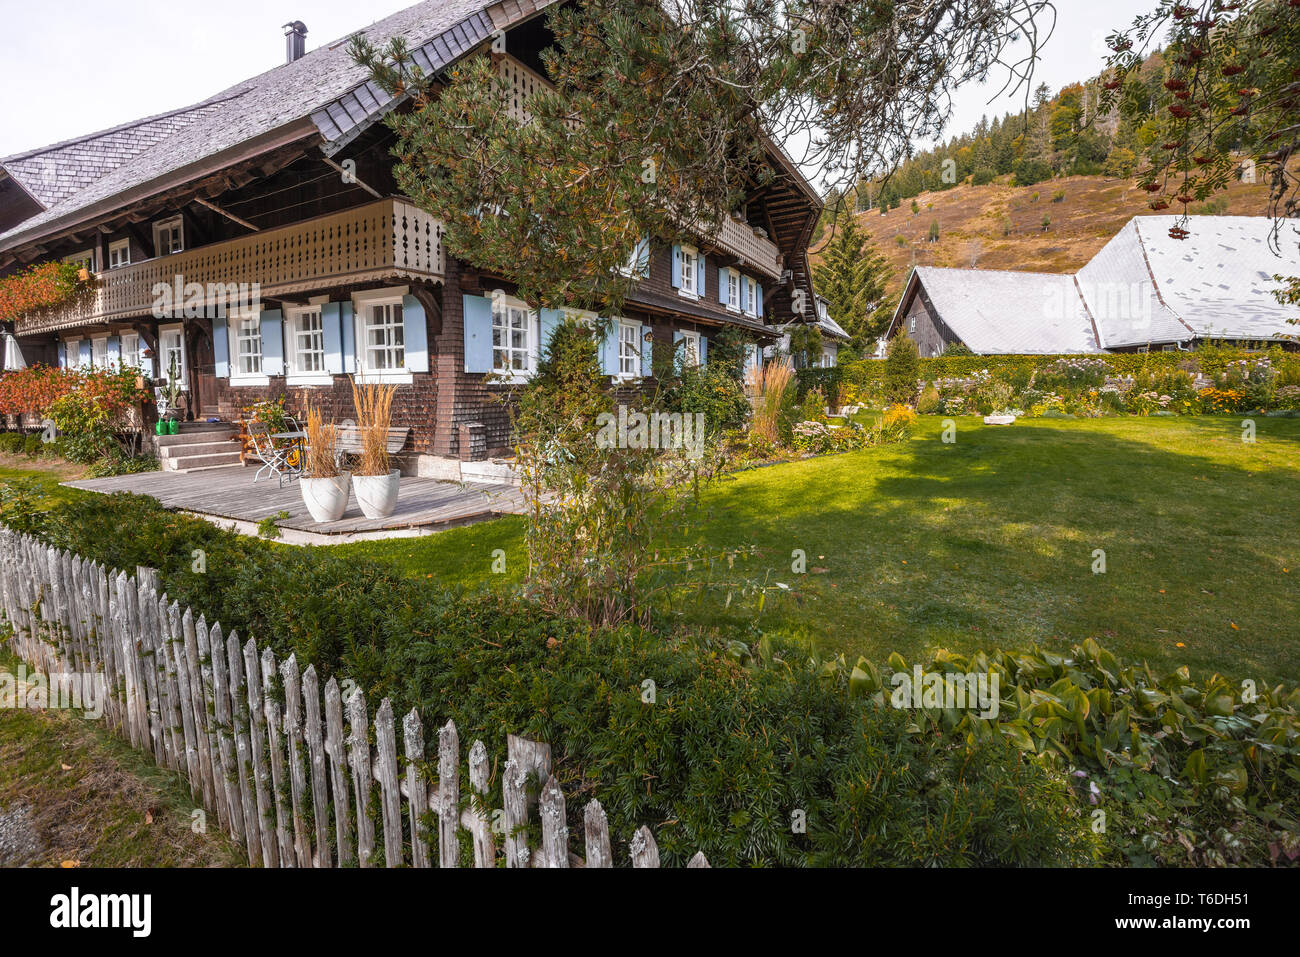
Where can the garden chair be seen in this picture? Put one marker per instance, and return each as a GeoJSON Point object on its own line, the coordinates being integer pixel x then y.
{"type": "Point", "coordinates": [275, 460]}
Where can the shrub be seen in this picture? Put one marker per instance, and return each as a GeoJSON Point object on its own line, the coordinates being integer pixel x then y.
{"type": "Point", "coordinates": [928, 403]}
{"type": "Point", "coordinates": [736, 740]}
{"type": "Point", "coordinates": [710, 389]}
{"type": "Point", "coordinates": [902, 369]}
{"type": "Point", "coordinates": [12, 442]}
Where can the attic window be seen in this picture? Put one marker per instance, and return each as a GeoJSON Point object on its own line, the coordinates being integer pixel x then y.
{"type": "Point", "coordinates": [168, 236]}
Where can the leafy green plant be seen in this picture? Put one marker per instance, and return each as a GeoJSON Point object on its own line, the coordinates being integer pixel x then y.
{"type": "Point", "coordinates": [902, 369]}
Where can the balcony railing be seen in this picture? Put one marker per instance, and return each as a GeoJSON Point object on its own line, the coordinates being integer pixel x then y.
{"type": "Point", "coordinates": [751, 249]}
{"type": "Point", "coordinates": [386, 239]}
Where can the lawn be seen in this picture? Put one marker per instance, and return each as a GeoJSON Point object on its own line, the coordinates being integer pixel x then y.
{"type": "Point", "coordinates": [989, 542]}
{"type": "Point", "coordinates": [73, 794]}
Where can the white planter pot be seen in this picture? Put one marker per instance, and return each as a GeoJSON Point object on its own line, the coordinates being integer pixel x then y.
{"type": "Point", "coordinates": [377, 494]}
{"type": "Point", "coordinates": [326, 498]}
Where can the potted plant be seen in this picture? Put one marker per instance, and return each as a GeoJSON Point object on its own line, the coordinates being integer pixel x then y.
{"type": "Point", "coordinates": [373, 479]}
{"type": "Point", "coordinates": [324, 484]}
{"type": "Point", "coordinates": [172, 395]}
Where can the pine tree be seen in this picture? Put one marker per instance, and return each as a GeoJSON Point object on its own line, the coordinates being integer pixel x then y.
{"type": "Point", "coordinates": [854, 278]}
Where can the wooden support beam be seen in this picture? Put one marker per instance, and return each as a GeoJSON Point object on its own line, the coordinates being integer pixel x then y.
{"type": "Point", "coordinates": [229, 215]}
{"type": "Point", "coordinates": [353, 177]}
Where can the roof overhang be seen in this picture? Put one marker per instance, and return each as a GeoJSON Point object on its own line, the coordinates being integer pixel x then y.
{"type": "Point", "coordinates": [250, 149]}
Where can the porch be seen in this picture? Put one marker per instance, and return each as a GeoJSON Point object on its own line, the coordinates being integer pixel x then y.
{"type": "Point", "coordinates": [228, 497]}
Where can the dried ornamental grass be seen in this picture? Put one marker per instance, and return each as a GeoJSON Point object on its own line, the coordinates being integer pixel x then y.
{"type": "Point", "coordinates": [322, 446]}
{"type": "Point", "coordinates": [770, 384]}
{"type": "Point", "coordinates": [374, 405]}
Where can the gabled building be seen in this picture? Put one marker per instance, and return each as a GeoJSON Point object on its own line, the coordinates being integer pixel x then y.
{"type": "Point", "coordinates": [1144, 291]}
{"type": "Point", "coordinates": [282, 186]}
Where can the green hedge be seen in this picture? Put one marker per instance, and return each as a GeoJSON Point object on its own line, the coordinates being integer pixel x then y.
{"type": "Point", "coordinates": [734, 745]}
{"type": "Point", "coordinates": [869, 374]}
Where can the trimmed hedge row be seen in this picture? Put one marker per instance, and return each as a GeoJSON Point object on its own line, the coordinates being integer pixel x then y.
{"type": "Point", "coordinates": [869, 374]}
{"type": "Point", "coordinates": [730, 756]}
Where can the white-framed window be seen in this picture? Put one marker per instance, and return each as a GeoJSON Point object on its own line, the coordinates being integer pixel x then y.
{"type": "Point", "coordinates": [381, 335]}
{"type": "Point", "coordinates": [85, 259]}
{"type": "Point", "coordinates": [513, 345]}
{"type": "Point", "coordinates": [130, 350]}
{"type": "Point", "coordinates": [72, 352]}
{"type": "Point", "coordinates": [629, 349]}
{"type": "Point", "coordinates": [169, 236]}
{"type": "Point", "coordinates": [306, 341]}
{"type": "Point", "coordinates": [246, 341]}
{"type": "Point", "coordinates": [911, 326]}
{"type": "Point", "coordinates": [171, 348]}
{"type": "Point", "coordinates": [828, 357]}
{"type": "Point", "coordinates": [99, 353]}
{"type": "Point", "coordinates": [384, 348]}
{"type": "Point", "coordinates": [119, 253]}
{"type": "Point", "coordinates": [690, 348]}
{"type": "Point", "coordinates": [690, 266]}
{"type": "Point", "coordinates": [751, 296]}
{"type": "Point", "coordinates": [733, 290]}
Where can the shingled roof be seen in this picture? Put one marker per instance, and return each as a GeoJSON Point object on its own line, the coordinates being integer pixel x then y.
{"type": "Point", "coordinates": [55, 173]}
{"type": "Point", "coordinates": [324, 92]}
{"type": "Point", "coordinates": [1144, 288]}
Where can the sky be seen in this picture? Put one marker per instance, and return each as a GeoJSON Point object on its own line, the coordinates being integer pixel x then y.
{"type": "Point", "coordinates": [120, 61]}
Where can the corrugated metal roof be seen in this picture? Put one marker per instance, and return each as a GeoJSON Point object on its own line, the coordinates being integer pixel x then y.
{"type": "Point", "coordinates": [995, 311]}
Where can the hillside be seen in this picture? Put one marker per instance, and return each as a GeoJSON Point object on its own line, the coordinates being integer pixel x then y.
{"type": "Point", "coordinates": [1001, 227]}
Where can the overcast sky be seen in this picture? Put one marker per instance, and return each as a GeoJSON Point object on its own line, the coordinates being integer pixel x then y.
{"type": "Point", "coordinates": [83, 65]}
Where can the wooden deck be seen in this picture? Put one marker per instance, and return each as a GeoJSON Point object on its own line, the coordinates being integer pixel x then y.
{"type": "Point", "coordinates": [230, 497]}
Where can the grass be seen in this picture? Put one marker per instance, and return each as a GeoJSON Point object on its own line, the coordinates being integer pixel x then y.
{"type": "Point", "coordinates": [989, 542]}
{"type": "Point", "coordinates": [1092, 211]}
{"type": "Point", "coordinates": [84, 798]}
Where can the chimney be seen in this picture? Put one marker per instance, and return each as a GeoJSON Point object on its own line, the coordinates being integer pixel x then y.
{"type": "Point", "coordinates": [295, 41]}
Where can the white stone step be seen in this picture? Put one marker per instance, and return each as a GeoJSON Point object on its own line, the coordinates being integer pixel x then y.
{"type": "Point", "coordinates": [198, 448]}
{"type": "Point", "coordinates": [188, 463]}
{"type": "Point", "coordinates": [196, 438]}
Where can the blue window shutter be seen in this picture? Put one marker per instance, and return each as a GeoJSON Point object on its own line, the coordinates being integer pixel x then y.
{"type": "Point", "coordinates": [647, 351]}
{"type": "Point", "coordinates": [221, 348]}
{"type": "Point", "coordinates": [113, 351]}
{"type": "Point", "coordinates": [63, 355]}
{"type": "Point", "coordinates": [347, 325]}
{"type": "Point", "coordinates": [331, 318]}
{"type": "Point", "coordinates": [609, 348]}
{"type": "Point", "coordinates": [84, 358]}
{"type": "Point", "coordinates": [272, 342]}
{"type": "Point", "coordinates": [722, 285]}
{"type": "Point", "coordinates": [549, 319]}
{"type": "Point", "coordinates": [415, 335]}
{"type": "Point", "coordinates": [704, 348]}
{"type": "Point", "coordinates": [701, 276]}
{"type": "Point", "coordinates": [677, 266]}
{"type": "Point", "coordinates": [478, 333]}
{"type": "Point", "coordinates": [643, 257]}
{"type": "Point", "coordinates": [758, 291]}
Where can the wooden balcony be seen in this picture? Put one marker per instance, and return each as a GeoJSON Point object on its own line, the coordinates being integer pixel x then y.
{"type": "Point", "coordinates": [386, 239]}
{"type": "Point", "coordinates": [752, 250]}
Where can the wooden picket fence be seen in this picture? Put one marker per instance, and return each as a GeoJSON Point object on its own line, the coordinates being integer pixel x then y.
{"type": "Point", "coordinates": [295, 783]}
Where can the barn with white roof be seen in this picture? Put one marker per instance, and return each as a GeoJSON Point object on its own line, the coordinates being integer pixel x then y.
{"type": "Point", "coordinates": [1146, 290]}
